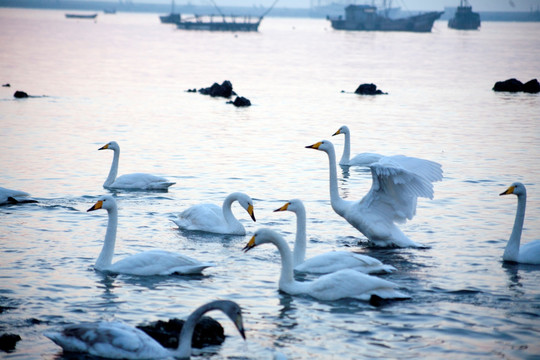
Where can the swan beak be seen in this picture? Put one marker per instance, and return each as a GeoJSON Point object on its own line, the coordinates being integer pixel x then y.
{"type": "Point", "coordinates": [251, 213]}
{"type": "Point", "coordinates": [240, 325]}
{"type": "Point", "coordinates": [337, 132]}
{"type": "Point", "coordinates": [104, 147]}
{"type": "Point", "coordinates": [250, 245]}
{"type": "Point", "coordinates": [508, 191]}
{"type": "Point", "coordinates": [96, 206]}
{"type": "Point", "coordinates": [314, 146]}
{"type": "Point", "coordinates": [283, 208]}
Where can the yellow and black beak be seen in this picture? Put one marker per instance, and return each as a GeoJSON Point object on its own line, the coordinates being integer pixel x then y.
{"type": "Point", "coordinates": [251, 212]}
{"type": "Point", "coordinates": [508, 191]}
{"type": "Point", "coordinates": [250, 245]}
{"type": "Point", "coordinates": [96, 206]}
{"type": "Point", "coordinates": [337, 132]}
{"type": "Point", "coordinates": [283, 208]}
{"type": "Point", "coordinates": [314, 146]}
{"type": "Point", "coordinates": [104, 147]}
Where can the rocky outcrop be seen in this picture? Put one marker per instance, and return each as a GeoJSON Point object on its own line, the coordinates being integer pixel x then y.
{"type": "Point", "coordinates": [240, 101]}
{"type": "Point", "coordinates": [368, 89]}
{"type": "Point", "coordinates": [224, 90]}
{"type": "Point", "coordinates": [514, 85]}
{"type": "Point", "coordinates": [20, 94]}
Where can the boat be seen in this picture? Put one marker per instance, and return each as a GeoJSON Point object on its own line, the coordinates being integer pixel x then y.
{"type": "Point", "coordinates": [464, 18]}
{"type": "Point", "coordinates": [222, 23]}
{"type": "Point", "coordinates": [81, 16]}
{"type": "Point", "coordinates": [366, 18]}
{"type": "Point", "coordinates": [172, 18]}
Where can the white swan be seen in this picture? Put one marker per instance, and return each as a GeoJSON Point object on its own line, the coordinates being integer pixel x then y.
{"type": "Point", "coordinates": [528, 253]}
{"type": "Point", "coordinates": [135, 181]}
{"type": "Point", "coordinates": [115, 340]}
{"type": "Point", "coordinates": [331, 261]}
{"type": "Point", "coordinates": [397, 183]}
{"type": "Point", "coordinates": [362, 159]}
{"type": "Point", "coordinates": [214, 219]}
{"type": "Point", "coordinates": [152, 262]}
{"type": "Point", "coordinates": [341, 284]}
{"type": "Point", "coordinates": [9, 196]}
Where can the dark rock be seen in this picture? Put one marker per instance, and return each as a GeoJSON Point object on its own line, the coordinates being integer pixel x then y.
{"type": "Point", "coordinates": [20, 94]}
{"type": "Point", "coordinates": [6, 85]}
{"type": "Point", "coordinates": [192, 90]}
{"type": "Point", "coordinates": [8, 342]}
{"type": "Point", "coordinates": [207, 332]}
{"type": "Point", "coordinates": [223, 90]}
{"type": "Point", "coordinates": [240, 101]}
{"type": "Point", "coordinates": [510, 85]}
{"type": "Point", "coordinates": [368, 89]}
{"type": "Point", "coordinates": [531, 86]}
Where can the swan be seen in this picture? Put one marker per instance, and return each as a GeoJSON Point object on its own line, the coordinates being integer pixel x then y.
{"type": "Point", "coordinates": [115, 340]}
{"type": "Point", "coordinates": [152, 262]}
{"type": "Point", "coordinates": [135, 181]}
{"type": "Point", "coordinates": [9, 196]}
{"type": "Point", "coordinates": [346, 283]}
{"type": "Point", "coordinates": [363, 159]}
{"type": "Point", "coordinates": [331, 261]}
{"type": "Point", "coordinates": [397, 183]}
{"type": "Point", "coordinates": [528, 253]}
{"type": "Point", "coordinates": [214, 219]}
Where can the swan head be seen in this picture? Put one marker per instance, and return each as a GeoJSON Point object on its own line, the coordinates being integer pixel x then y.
{"type": "Point", "coordinates": [342, 130]}
{"type": "Point", "coordinates": [324, 145]}
{"type": "Point", "coordinates": [261, 236]}
{"type": "Point", "coordinates": [106, 202]}
{"type": "Point", "coordinates": [293, 205]}
{"type": "Point", "coordinates": [516, 188]}
{"type": "Point", "coordinates": [246, 202]}
{"type": "Point", "coordinates": [113, 145]}
{"type": "Point", "coordinates": [231, 309]}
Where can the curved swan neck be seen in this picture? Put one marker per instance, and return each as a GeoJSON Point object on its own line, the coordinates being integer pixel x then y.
{"type": "Point", "coordinates": [107, 252]}
{"type": "Point", "coordinates": [346, 149]}
{"type": "Point", "coordinates": [186, 334]}
{"type": "Point", "coordinates": [511, 251]}
{"type": "Point", "coordinates": [227, 211]}
{"type": "Point", "coordinates": [286, 260]}
{"type": "Point", "coordinates": [114, 168]}
{"type": "Point", "coordinates": [299, 252]}
{"type": "Point", "coordinates": [338, 204]}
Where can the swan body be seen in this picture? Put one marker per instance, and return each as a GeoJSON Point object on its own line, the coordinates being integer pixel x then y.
{"type": "Point", "coordinates": [363, 159]}
{"type": "Point", "coordinates": [152, 262]}
{"type": "Point", "coordinates": [341, 284]}
{"type": "Point", "coordinates": [135, 181]}
{"type": "Point", "coordinates": [397, 183]}
{"type": "Point", "coordinates": [115, 340]}
{"type": "Point", "coordinates": [9, 196]}
{"type": "Point", "coordinates": [331, 261]}
{"type": "Point", "coordinates": [528, 253]}
{"type": "Point", "coordinates": [214, 219]}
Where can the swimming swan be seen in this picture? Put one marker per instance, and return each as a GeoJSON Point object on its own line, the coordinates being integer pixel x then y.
{"type": "Point", "coordinates": [362, 159]}
{"type": "Point", "coordinates": [341, 284]}
{"type": "Point", "coordinates": [152, 262]}
{"type": "Point", "coordinates": [115, 340]}
{"type": "Point", "coordinates": [9, 196]}
{"type": "Point", "coordinates": [214, 219]}
{"type": "Point", "coordinates": [135, 181]}
{"type": "Point", "coordinates": [528, 253]}
{"type": "Point", "coordinates": [397, 183]}
{"type": "Point", "coordinates": [331, 261]}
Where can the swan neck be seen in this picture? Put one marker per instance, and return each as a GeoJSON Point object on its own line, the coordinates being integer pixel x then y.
{"type": "Point", "coordinates": [107, 252]}
{"type": "Point", "coordinates": [511, 251]}
{"type": "Point", "coordinates": [113, 172]}
{"type": "Point", "coordinates": [299, 252]}
{"type": "Point", "coordinates": [227, 211]}
{"type": "Point", "coordinates": [186, 334]}
{"type": "Point", "coordinates": [338, 204]}
{"type": "Point", "coordinates": [346, 149]}
{"type": "Point", "coordinates": [286, 277]}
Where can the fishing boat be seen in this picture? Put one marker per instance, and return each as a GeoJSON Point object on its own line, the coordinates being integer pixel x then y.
{"type": "Point", "coordinates": [366, 18]}
{"type": "Point", "coordinates": [172, 18]}
{"type": "Point", "coordinates": [464, 18]}
{"type": "Point", "coordinates": [81, 16]}
{"type": "Point", "coordinates": [221, 23]}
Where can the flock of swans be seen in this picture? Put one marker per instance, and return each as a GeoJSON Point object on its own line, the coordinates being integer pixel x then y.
{"type": "Point", "coordinates": [397, 182]}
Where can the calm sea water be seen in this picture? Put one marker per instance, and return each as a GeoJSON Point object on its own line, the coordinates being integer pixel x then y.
{"type": "Point", "coordinates": [124, 78]}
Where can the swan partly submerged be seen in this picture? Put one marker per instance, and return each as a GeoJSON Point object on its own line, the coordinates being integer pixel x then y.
{"type": "Point", "coordinates": [115, 340]}
{"type": "Point", "coordinates": [214, 219]}
{"type": "Point", "coordinates": [152, 262]}
{"type": "Point", "coordinates": [341, 284]}
{"type": "Point", "coordinates": [135, 181]}
{"type": "Point", "coordinates": [9, 196]}
{"type": "Point", "coordinates": [528, 253]}
{"type": "Point", "coordinates": [362, 159]}
{"type": "Point", "coordinates": [397, 183]}
{"type": "Point", "coordinates": [331, 261]}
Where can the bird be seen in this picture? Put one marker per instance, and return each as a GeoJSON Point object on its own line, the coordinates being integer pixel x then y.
{"type": "Point", "coordinates": [397, 183]}
{"type": "Point", "coordinates": [116, 340]}
{"type": "Point", "coordinates": [147, 263]}
{"type": "Point", "coordinates": [214, 219]}
{"type": "Point", "coordinates": [362, 159]}
{"type": "Point", "coordinates": [330, 261]}
{"type": "Point", "coordinates": [135, 181]}
{"type": "Point", "coordinates": [9, 196]}
{"type": "Point", "coordinates": [528, 253]}
{"type": "Point", "coordinates": [346, 283]}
